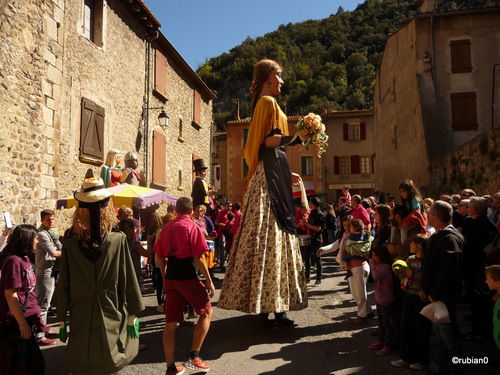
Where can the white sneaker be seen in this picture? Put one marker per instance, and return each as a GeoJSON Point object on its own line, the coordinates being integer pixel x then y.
{"type": "Point", "coordinates": [417, 366]}
{"type": "Point", "coordinates": [400, 363]}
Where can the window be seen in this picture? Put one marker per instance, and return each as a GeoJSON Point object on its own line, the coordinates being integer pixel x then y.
{"type": "Point", "coordinates": [344, 165]}
{"type": "Point", "coordinates": [355, 131]}
{"type": "Point", "coordinates": [159, 158]}
{"type": "Point", "coordinates": [196, 109]}
{"type": "Point", "coordinates": [460, 56]}
{"type": "Point", "coordinates": [180, 129]}
{"type": "Point", "coordinates": [180, 178]}
{"type": "Point", "coordinates": [366, 165]}
{"type": "Point", "coordinates": [307, 165]}
{"type": "Point", "coordinates": [92, 20]}
{"type": "Point", "coordinates": [160, 75]}
{"type": "Point", "coordinates": [463, 111]}
{"type": "Point", "coordinates": [92, 133]}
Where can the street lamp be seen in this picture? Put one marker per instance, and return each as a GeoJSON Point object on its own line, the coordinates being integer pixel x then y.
{"type": "Point", "coordinates": [163, 119]}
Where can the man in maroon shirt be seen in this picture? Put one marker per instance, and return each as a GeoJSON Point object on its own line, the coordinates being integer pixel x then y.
{"type": "Point", "coordinates": [183, 242]}
{"type": "Point", "coordinates": [220, 223]}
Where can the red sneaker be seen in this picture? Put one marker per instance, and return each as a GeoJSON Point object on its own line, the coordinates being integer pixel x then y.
{"type": "Point", "coordinates": [178, 371]}
{"type": "Point", "coordinates": [196, 364]}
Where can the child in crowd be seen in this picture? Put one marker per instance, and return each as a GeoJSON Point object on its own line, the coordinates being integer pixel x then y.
{"type": "Point", "coordinates": [227, 232]}
{"type": "Point", "coordinates": [412, 200]}
{"type": "Point", "coordinates": [493, 281]}
{"type": "Point", "coordinates": [415, 328]}
{"type": "Point", "coordinates": [127, 226]}
{"type": "Point", "coordinates": [357, 245]}
{"type": "Point", "coordinates": [347, 195]}
{"type": "Point", "coordinates": [384, 296]}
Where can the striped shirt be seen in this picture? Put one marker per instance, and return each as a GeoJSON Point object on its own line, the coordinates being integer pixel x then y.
{"type": "Point", "coordinates": [414, 284]}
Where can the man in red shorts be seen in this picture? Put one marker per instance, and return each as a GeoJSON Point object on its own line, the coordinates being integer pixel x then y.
{"type": "Point", "coordinates": [183, 242]}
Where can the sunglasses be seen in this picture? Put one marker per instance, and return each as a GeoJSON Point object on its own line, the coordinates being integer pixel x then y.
{"type": "Point", "coordinates": [463, 205]}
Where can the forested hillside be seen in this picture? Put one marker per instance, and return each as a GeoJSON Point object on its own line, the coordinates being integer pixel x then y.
{"type": "Point", "coordinates": [325, 62]}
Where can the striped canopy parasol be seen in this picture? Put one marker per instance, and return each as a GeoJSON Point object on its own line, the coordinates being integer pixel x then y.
{"type": "Point", "coordinates": [129, 195]}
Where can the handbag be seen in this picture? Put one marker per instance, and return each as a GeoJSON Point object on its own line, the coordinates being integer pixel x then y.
{"type": "Point", "coordinates": [436, 312]}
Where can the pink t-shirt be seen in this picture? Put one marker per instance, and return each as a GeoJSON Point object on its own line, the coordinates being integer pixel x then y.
{"type": "Point", "coordinates": [361, 213]}
{"type": "Point", "coordinates": [221, 218]}
{"type": "Point", "coordinates": [181, 238]}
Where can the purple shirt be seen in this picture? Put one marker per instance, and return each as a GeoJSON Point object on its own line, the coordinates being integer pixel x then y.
{"type": "Point", "coordinates": [18, 274]}
{"type": "Point", "coordinates": [382, 275]}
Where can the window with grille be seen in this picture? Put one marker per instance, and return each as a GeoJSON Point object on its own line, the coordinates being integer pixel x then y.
{"type": "Point", "coordinates": [93, 20]}
{"type": "Point", "coordinates": [366, 165]}
{"type": "Point", "coordinates": [354, 132]}
{"type": "Point", "coordinates": [307, 166]}
{"type": "Point", "coordinates": [344, 165]}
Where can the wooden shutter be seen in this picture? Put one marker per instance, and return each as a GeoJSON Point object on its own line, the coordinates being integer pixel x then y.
{"type": "Point", "coordinates": [464, 111]}
{"type": "Point", "coordinates": [372, 164]}
{"type": "Point", "coordinates": [355, 164]}
{"type": "Point", "coordinates": [336, 165]}
{"type": "Point", "coordinates": [160, 73]}
{"type": "Point", "coordinates": [197, 108]}
{"type": "Point", "coordinates": [362, 131]}
{"type": "Point", "coordinates": [460, 56]}
{"type": "Point", "coordinates": [345, 128]}
{"type": "Point", "coordinates": [159, 158]}
{"type": "Point", "coordinates": [92, 133]}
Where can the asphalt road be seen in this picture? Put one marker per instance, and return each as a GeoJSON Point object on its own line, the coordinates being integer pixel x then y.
{"type": "Point", "coordinates": [322, 341]}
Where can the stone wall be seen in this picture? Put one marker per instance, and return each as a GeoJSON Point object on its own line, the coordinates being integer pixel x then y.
{"type": "Point", "coordinates": [29, 136]}
{"type": "Point", "coordinates": [47, 66]}
{"type": "Point", "coordinates": [474, 165]}
{"type": "Point", "coordinates": [185, 142]}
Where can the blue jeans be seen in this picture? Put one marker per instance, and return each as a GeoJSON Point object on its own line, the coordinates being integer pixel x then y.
{"type": "Point", "coordinates": [450, 345]}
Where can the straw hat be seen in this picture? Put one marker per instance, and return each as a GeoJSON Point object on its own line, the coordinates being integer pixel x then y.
{"type": "Point", "coordinates": [92, 190]}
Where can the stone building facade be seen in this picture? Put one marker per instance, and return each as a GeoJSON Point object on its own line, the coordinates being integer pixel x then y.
{"type": "Point", "coordinates": [77, 81]}
{"type": "Point", "coordinates": [220, 179]}
{"type": "Point", "coordinates": [349, 160]}
{"type": "Point", "coordinates": [435, 90]}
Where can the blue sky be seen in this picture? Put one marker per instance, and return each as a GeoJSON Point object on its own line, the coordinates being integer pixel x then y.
{"type": "Point", "coordinates": [201, 29]}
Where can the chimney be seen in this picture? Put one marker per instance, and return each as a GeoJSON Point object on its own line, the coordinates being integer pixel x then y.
{"type": "Point", "coordinates": [237, 115]}
{"type": "Point", "coordinates": [426, 6]}
{"type": "Point", "coordinates": [325, 109]}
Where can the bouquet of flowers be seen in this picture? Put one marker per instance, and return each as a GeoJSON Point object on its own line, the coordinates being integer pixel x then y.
{"type": "Point", "coordinates": [313, 130]}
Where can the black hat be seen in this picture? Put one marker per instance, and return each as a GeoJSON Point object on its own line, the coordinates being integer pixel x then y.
{"type": "Point", "coordinates": [199, 165]}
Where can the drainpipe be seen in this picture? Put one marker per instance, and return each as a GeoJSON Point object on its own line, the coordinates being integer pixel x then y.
{"type": "Point", "coordinates": [493, 97]}
{"type": "Point", "coordinates": [149, 39]}
{"type": "Point", "coordinates": [433, 56]}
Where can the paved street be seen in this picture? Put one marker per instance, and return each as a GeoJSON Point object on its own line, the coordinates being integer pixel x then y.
{"type": "Point", "coordinates": [322, 342]}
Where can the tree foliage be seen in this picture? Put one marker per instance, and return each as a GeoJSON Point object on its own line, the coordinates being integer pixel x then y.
{"type": "Point", "coordinates": [329, 62]}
